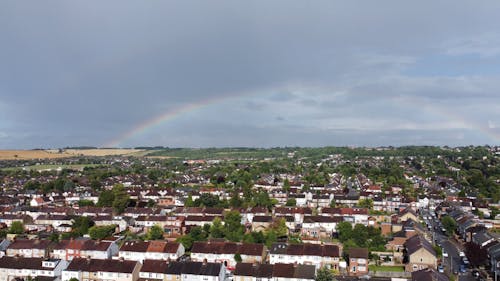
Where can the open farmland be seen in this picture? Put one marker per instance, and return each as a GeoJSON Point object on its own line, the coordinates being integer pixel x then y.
{"type": "Point", "coordinates": [54, 153]}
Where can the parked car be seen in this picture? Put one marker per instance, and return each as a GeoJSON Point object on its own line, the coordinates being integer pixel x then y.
{"type": "Point", "coordinates": [445, 254]}
{"type": "Point", "coordinates": [440, 269]}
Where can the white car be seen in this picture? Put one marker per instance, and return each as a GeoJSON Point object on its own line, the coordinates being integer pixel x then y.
{"type": "Point", "coordinates": [461, 254]}
{"type": "Point", "coordinates": [445, 254]}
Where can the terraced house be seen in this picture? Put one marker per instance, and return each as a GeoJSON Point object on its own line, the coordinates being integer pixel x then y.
{"type": "Point", "coordinates": [312, 254]}
{"type": "Point", "coordinates": [102, 270]}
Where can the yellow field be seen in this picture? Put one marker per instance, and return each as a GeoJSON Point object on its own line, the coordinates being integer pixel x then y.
{"type": "Point", "coordinates": [53, 153]}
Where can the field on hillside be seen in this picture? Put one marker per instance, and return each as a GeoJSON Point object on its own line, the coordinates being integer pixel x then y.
{"type": "Point", "coordinates": [54, 153]}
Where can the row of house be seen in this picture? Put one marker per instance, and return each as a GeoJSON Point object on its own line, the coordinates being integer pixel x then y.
{"type": "Point", "coordinates": [21, 268]}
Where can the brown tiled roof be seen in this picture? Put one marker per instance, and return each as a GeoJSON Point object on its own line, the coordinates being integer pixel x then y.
{"type": "Point", "coordinates": [417, 242]}
{"type": "Point", "coordinates": [262, 219]}
{"type": "Point", "coordinates": [30, 244]}
{"type": "Point", "coordinates": [331, 251]}
{"type": "Point", "coordinates": [325, 219]}
{"type": "Point", "coordinates": [200, 218]}
{"type": "Point", "coordinates": [150, 246]}
{"type": "Point", "coordinates": [134, 246]}
{"type": "Point", "coordinates": [284, 270]}
{"type": "Point", "coordinates": [428, 275]}
{"type": "Point", "coordinates": [199, 268]}
{"type": "Point", "coordinates": [227, 248]}
{"type": "Point", "coordinates": [94, 265]}
{"type": "Point", "coordinates": [358, 253]}
{"type": "Point", "coordinates": [252, 249]}
{"type": "Point", "coordinates": [21, 263]}
{"type": "Point", "coordinates": [305, 249]}
{"type": "Point", "coordinates": [255, 270]}
{"type": "Point", "coordinates": [156, 266]}
{"type": "Point", "coordinates": [293, 210]}
{"type": "Point", "coordinates": [304, 271]}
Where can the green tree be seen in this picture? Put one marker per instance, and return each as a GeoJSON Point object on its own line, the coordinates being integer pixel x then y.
{"type": "Point", "coordinates": [101, 232]}
{"type": "Point", "coordinates": [286, 185]}
{"type": "Point", "coordinates": [233, 229]}
{"type": "Point", "coordinates": [237, 257]}
{"type": "Point", "coordinates": [208, 200]}
{"type": "Point", "coordinates": [106, 198]}
{"type": "Point", "coordinates": [121, 198]}
{"type": "Point", "coordinates": [68, 185]}
{"type": "Point", "coordinates": [95, 184]}
{"type": "Point", "coordinates": [16, 227]}
{"type": "Point", "coordinates": [333, 204]}
{"type": "Point", "coordinates": [279, 227]}
{"type": "Point", "coordinates": [324, 274]}
{"type": "Point", "coordinates": [189, 201]}
{"type": "Point", "coordinates": [81, 225]}
{"type": "Point", "coordinates": [366, 203]}
{"type": "Point", "coordinates": [271, 237]}
{"type": "Point", "coordinates": [186, 241]}
{"type": "Point", "coordinates": [235, 200]}
{"type": "Point", "coordinates": [84, 203]}
{"type": "Point", "coordinates": [217, 229]}
{"type": "Point", "coordinates": [74, 279]}
{"type": "Point", "coordinates": [155, 233]}
{"type": "Point", "coordinates": [291, 202]}
{"type": "Point", "coordinates": [449, 225]}
{"type": "Point", "coordinates": [344, 230]}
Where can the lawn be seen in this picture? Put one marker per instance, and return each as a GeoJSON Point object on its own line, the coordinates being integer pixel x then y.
{"type": "Point", "coordinates": [373, 267]}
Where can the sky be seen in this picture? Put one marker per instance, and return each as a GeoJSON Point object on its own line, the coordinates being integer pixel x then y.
{"type": "Point", "coordinates": [249, 73]}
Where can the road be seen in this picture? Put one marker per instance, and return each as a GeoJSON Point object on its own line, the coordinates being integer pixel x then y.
{"type": "Point", "coordinates": [451, 263]}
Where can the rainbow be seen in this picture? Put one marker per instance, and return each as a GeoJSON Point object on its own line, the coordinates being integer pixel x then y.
{"type": "Point", "coordinates": [491, 133]}
{"type": "Point", "coordinates": [446, 112]}
{"type": "Point", "coordinates": [162, 118]}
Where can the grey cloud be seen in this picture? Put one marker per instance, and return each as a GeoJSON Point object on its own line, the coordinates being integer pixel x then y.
{"type": "Point", "coordinates": [88, 71]}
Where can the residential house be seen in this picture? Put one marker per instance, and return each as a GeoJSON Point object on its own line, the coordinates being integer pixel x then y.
{"type": "Point", "coordinates": [151, 250]}
{"type": "Point", "coordinates": [428, 274]}
{"type": "Point", "coordinates": [174, 226]}
{"type": "Point", "coordinates": [202, 271]}
{"type": "Point", "coordinates": [39, 201]}
{"type": "Point", "coordinates": [253, 272]}
{"type": "Point", "coordinates": [223, 252]}
{"type": "Point", "coordinates": [319, 226]}
{"type": "Point", "coordinates": [291, 272]}
{"type": "Point", "coordinates": [8, 219]}
{"type": "Point", "coordinates": [84, 248]}
{"type": "Point", "coordinates": [102, 270]}
{"type": "Point", "coordinates": [200, 220]}
{"type": "Point", "coordinates": [358, 261]}
{"type": "Point", "coordinates": [261, 223]}
{"type": "Point", "coordinates": [493, 251]}
{"type": "Point", "coordinates": [419, 254]}
{"type": "Point", "coordinates": [315, 254]}
{"type": "Point", "coordinates": [407, 214]}
{"type": "Point", "coordinates": [54, 220]}
{"type": "Point", "coordinates": [21, 268]}
{"type": "Point", "coordinates": [4, 244]}
{"type": "Point", "coordinates": [35, 248]}
{"type": "Point", "coordinates": [155, 270]}
{"type": "Point", "coordinates": [298, 213]}
{"type": "Point", "coordinates": [121, 222]}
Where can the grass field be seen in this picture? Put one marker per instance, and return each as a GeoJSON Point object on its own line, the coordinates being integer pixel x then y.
{"type": "Point", "coordinates": [383, 268]}
{"type": "Point", "coordinates": [53, 153]}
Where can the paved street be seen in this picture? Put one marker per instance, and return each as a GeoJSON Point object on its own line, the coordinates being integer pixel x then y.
{"type": "Point", "coordinates": [452, 262]}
